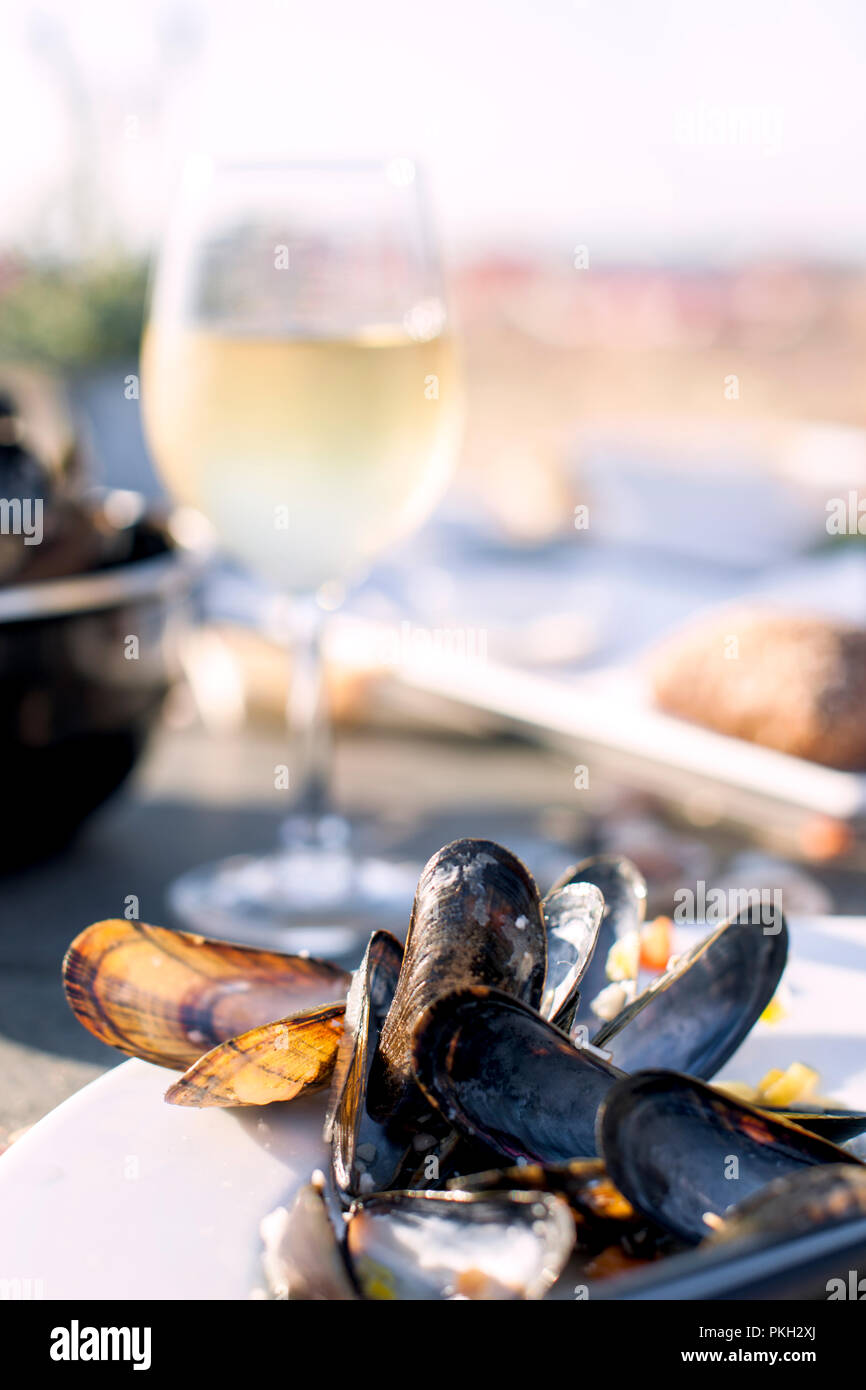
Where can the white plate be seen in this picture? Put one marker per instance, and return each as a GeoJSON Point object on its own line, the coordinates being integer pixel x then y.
{"type": "Point", "coordinates": [117, 1195]}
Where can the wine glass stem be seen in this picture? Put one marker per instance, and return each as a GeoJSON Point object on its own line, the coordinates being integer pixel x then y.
{"type": "Point", "coordinates": [308, 718]}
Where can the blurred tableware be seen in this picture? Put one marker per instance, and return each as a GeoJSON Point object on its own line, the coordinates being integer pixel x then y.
{"type": "Point", "coordinates": [299, 390]}
{"type": "Point", "coordinates": [727, 512]}
{"type": "Point", "coordinates": [85, 661]}
{"type": "Point", "coordinates": [604, 722]}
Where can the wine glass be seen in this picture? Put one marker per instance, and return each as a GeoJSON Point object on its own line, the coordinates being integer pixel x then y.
{"type": "Point", "coordinates": [298, 388]}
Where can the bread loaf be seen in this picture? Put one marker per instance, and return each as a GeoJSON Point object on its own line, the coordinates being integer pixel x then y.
{"type": "Point", "coordinates": [797, 684]}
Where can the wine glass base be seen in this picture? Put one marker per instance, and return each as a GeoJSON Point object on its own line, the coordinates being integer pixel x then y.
{"type": "Point", "coordinates": [325, 901]}
{"type": "Point", "coordinates": [335, 883]}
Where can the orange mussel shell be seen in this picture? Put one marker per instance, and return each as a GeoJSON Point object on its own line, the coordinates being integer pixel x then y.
{"type": "Point", "coordinates": [168, 997]}
{"type": "Point", "coordinates": [276, 1061]}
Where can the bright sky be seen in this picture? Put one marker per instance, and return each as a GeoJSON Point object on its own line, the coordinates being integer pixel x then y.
{"type": "Point", "coordinates": [657, 128]}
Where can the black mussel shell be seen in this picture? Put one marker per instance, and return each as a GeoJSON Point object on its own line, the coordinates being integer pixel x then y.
{"type": "Point", "coordinates": [807, 1200]}
{"type": "Point", "coordinates": [501, 1074]}
{"type": "Point", "coordinates": [694, 1017]}
{"type": "Point", "coordinates": [476, 920]}
{"type": "Point", "coordinates": [623, 887]}
{"type": "Point", "coordinates": [365, 1151]}
{"type": "Point", "coordinates": [447, 1245]}
{"type": "Point", "coordinates": [682, 1153]}
{"type": "Point", "coordinates": [837, 1125]}
{"type": "Point", "coordinates": [572, 916]}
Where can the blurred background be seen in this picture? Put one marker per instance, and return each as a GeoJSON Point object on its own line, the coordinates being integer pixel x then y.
{"type": "Point", "coordinates": [654, 236]}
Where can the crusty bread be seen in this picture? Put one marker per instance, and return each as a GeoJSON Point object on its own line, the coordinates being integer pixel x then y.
{"type": "Point", "coordinates": [795, 684]}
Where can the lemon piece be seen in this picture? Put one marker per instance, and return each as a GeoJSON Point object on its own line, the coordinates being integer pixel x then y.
{"type": "Point", "coordinates": [796, 1084]}
{"type": "Point", "coordinates": [773, 1075]}
{"type": "Point", "coordinates": [775, 1011]}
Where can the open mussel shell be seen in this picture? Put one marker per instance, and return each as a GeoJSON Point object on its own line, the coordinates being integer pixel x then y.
{"type": "Point", "coordinates": [458, 1245]}
{"type": "Point", "coordinates": [572, 915]}
{"type": "Point", "coordinates": [682, 1153]}
{"type": "Point", "coordinates": [807, 1200]}
{"type": "Point", "coordinates": [694, 1017]}
{"type": "Point", "coordinates": [276, 1061]}
{"type": "Point", "coordinates": [623, 887]}
{"type": "Point", "coordinates": [365, 1152]}
{"type": "Point", "coordinates": [836, 1125]}
{"type": "Point", "coordinates": [611, 1238]}
{"type": "Point", "coordinates": [168, 996]}
{"type": "Point", "coordinates": [476, 920]}
{"type": "Point", "coordinates": [302, 1258]}
{"type": "Point", "coordinates": [502, 1074]}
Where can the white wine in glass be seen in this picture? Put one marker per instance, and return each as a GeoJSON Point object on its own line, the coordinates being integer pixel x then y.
{"type": "Point", "coordinates": [310, 456]}
{"type": "Point", "coordinates": [298, 388]}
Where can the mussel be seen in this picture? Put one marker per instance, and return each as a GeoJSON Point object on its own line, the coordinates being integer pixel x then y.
{"type": "Point", "coordinates": [502, 1074]}
{"type": "Point", "coordinates": [464, 1052]}
{"type": "Point", "coordinates": [623, 888]}
{"type": "Point", "coordinates": [277, 1061]}
{"type": "Point", "coordinates": [364, 1151]}
{"type": "Point", "coordinates": [683, 1153]}
{"type": "Point", "coordinates": [458, 1245]}
{"type": "Point", "coordinates": [303, 1258]}
{"type": "Point", "coordinates": [611, 1237]}
{"type": "Point", "coordinates": [477, 1058]}
{"type": "Point", "coordinates": [806, 1200]}
{"type": "Point", "coordinates": [417, 1245]}
{"type": "Point", "coordinates": [832, 1122]}
{"type": "Point", "coordinates": [168, 996]}
{"type": "Point", "coordinates": [694, 1017]}
{"type": "Point", "coordinates": [476, 919]}
{"type": "Point", "coordinates": [572, 917]}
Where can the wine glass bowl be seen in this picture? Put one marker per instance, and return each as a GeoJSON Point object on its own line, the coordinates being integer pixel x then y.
{"type": "Point", "coordinates": [298, 379]}
{"type": "Point", "coordinates": [298, 387]}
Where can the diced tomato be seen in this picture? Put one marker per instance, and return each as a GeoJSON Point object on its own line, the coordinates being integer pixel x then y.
{"type": "Point", "coordinates": [656, 944]}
